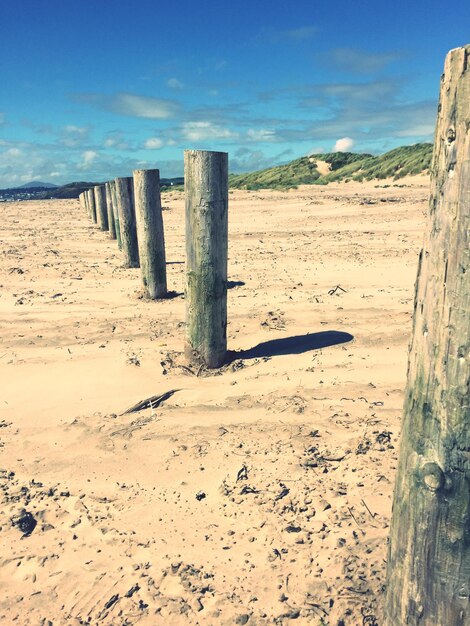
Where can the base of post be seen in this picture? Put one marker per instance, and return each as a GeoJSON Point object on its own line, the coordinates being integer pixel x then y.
{"type": "Point", "coordinates": [212, 361]}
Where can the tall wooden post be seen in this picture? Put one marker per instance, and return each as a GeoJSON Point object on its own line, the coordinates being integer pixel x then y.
{"type": "Point", "coordinates": [109, 207]}
{"type": "Point", "coordinates": [150, 237]}
{"type": "Point", "coordinates": [81, 199]}
{"type": "Point", "coordinates": [117, 227]}
{"type": "Point", "coordinates": [92, 205]}
{"type": "Point", "coordinates": [206, 187]}
{"type": "Point", "coordinates": [429, 557]}
{"type": "Point", "coordinates": [87, 206]}
{"type": "Point", "coordinates": [101, 209]}
{"type": "Point", "coordinates": [125, 204]}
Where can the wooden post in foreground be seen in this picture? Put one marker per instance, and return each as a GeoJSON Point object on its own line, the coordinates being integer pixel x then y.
{"type": "Point", "coordinates": [429, 558]}
{"type": "Point", "coordinates": [125, 204]}
{"type": "Point", "coordinates": [150, 237]}
{"type": "Point", "coordinates": [92, 205]}
{"type": "Point", "coordinates": [109, 207]}
{"type": "Point", "coordinates": [117, 227]}
{"type": "Point", "coordinates": [101, 210]}
{"type": "Point", "coordinates": [206, 188]}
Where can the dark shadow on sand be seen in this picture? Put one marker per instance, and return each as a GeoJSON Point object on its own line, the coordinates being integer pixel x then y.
{"type": "Point", "coordinates": [231, 284]}
{"type": "Point", "coordinates": [293, 345]}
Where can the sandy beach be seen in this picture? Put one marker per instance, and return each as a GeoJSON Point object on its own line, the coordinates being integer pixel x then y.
{"type": "Point", "coordinates": [256, 494]}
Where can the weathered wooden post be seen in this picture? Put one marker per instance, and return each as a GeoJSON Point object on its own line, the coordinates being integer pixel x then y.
{"type": "Point", "coordinates": [109, 207]}
{"type": "Point", "coordinates": [81, 199]}
{"type": "Point", "coordinates": [91, 203]}
{"type": "Point", "coordinates": [101, 209]}
{"type": "Point", "coordinates": [125, 204]}
{"type": "Point", "coordinates": [206, 187]}
{"type": "Point", "coordinates": [429, 557]}
{"type": "Point", "coordinates": [150, 237]}
{"type": "Point", "coordinates": [115, 213]}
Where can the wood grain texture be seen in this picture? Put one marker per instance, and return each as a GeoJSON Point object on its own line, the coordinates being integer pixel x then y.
{"type": "Point", "coordinates": [109, 207]}
{"type": "Point", "coordinates": [206, 189]}
{"type": "Point", "coordinates": [101, 209]}
{"type": "Point", "coordinates": [124, 189]}
{"type": "Point", "coordinates": [150, 235]}
{"type": "Point", "coordinates": [81, 199]}
{"type": "Point", "coordinates": [429, 558]}
{"type": "Point", "coordinates": [91, 203]}
{"type": "Point", "coordinates": [117, 226]}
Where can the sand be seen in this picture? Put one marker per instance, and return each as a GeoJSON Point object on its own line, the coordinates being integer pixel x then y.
{"type": "Point", "coordinates": [256, 494]}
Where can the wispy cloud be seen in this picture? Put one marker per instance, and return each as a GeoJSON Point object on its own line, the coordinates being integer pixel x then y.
{"type": "Point", "coordinates": [153, 143]}
{"type": "Point", "coordinates": [202, 131]}
{"type": "Point", "coordinates": [302, 33]}
{"type": "Point", "coordinates": [115, 141]}
{"type": "Point", "coordinates": [132, 105]}
{"type": "Point", "coordinates": [261, 135]}
{"type": "Point", "coordinates": [73, 136]}
{"type": "Point", "coordinates": [88, 158]}
{"type": "Point", "coordinates": [248, 159]}
{"type": "Point", "coordinates": [174, 83]}
{"type": "Point", "coordinates": [358, 61]}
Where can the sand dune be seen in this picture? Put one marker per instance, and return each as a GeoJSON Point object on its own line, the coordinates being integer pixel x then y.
{"type": "Point", "coordinates": [256, 494]}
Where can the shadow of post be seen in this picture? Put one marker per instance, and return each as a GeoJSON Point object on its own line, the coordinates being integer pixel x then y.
{"type": "Point", "coordinates": [293, 345]}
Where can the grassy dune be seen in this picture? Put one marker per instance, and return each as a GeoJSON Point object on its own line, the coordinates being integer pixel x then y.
{"type": "Point", "coordinates": [404, 161]}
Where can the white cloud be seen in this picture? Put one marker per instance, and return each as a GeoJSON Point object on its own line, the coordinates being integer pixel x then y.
{"type": "Point", "coordinates": [419, 130]}
{"type": "Point", "coordinates": [143, 106]}
{"type": "Point", "coordinates": [359, 61]}
{"type": "Point", "coordinates": [76, 130]}
{"type": "Point", "coordinates": [116, 140]}
{"type": "Point", "coordinates": [88, 157]}
{"type": "Point", "coordinates": [261, 135]}
{"type": "Point", "coordinates": [199, 131]}
{"type": "Point", "coordinates": [14, 152]}
{"type": "Point", "coordinates": [174, 83]}
{"type": "Point", "coordinates": [131, 104]}
{"type": "Point", "coordinates": [153, 143]}
{"type": "Point", "coordinates": [343, 145]}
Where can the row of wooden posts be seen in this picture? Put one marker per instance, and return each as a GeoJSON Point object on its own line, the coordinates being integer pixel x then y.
{"type": "Point", "coordinates": [130, 210]}
{"type": "Point", "coordinates": [428, 577]}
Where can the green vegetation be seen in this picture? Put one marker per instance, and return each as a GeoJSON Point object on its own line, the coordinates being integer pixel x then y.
{"type": "Point", "coordinates": [408, 160]}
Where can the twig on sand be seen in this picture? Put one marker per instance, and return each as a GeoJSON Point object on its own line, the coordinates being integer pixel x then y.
{"type": "Point", "coordinates": [152, 403]}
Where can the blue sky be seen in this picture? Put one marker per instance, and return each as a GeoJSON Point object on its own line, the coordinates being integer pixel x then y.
{"type": "Point", "coordinates": [94, 89]}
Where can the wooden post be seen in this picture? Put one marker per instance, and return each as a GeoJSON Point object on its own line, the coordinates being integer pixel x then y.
{"type": "Point", "coordinates": [101, 210]}
{"type": "Point", "coordinates": [109, 207]}
{"type": "Point", "coordinates": [125, 204]}
{"type": "Point", "coordinates": [206, 187]}
{"type": "Point", "coordinates": [150, 237]}
{"type": "Point", "coordinates": [81, 199]}
{"type": "Point", "coordinates": [91, 203]}
{"type": "Point", "coordinates": [115, 213]}
{"type": "Point", "coordinates": [429, 557]}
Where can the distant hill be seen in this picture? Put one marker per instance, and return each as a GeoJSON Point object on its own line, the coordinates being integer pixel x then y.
{"type": "Point", "coordinates": [321, 169]}
{"type": "Point", "coordinates": [36, 184]}
{"type": "Point", "coordinates": [71, 190]}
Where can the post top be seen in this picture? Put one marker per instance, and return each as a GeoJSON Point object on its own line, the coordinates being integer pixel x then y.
{"type": "Point", "coordinates": [204, 152]}
{"type": "Point", "coordinates": [151, 170]}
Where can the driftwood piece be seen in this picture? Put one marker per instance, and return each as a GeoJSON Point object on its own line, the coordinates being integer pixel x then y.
{"type": "Point", "coordinates": [150, 403]}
